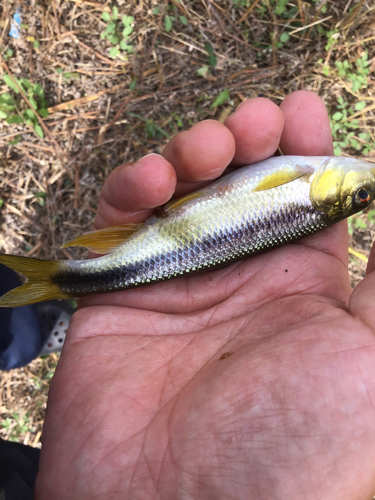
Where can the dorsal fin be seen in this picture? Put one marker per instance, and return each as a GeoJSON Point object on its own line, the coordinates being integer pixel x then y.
{"type": "Point", "coordinates": [283, 176]}
{"type": "Point", "coordinates": [181, 201]}
{"type": "Point", "coordinates": [104, 240]}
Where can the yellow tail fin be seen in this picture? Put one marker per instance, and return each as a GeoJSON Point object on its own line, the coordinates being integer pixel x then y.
{"type": "Point", "coordinates": [39, 284]}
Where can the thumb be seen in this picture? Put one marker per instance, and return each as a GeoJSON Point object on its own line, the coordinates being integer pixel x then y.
{"type": "Point", "coordinates": [362, 300]}
{"type": "Point", "coordinates": [371, 261]}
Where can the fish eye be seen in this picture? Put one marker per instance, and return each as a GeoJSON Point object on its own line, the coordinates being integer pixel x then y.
{"type": "Point", "coordinates": [362, 196]}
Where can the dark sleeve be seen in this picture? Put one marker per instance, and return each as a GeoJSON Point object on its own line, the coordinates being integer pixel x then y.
{"type": "Point", "coordinates": [18, 470]}
{"type": "Point", "coordinates": [21, 337]}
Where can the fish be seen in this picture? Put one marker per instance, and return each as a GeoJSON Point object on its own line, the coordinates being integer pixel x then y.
{"type": "Point", "coordinates": [248, 211]}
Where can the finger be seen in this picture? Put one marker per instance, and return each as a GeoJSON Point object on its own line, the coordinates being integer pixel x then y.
{"type": "Point", "coordinates": [201, 153]}
{"type": "Point", "coordinates": [371, 261]}
{"type": "Point", "coordinates": [256, 125]}
{"type": "Point", "coordinates": [133, 189]}
{"type": "Point", "coordinates": [306, 130]}
{"type": "Point", "coordinates": [362, 301]}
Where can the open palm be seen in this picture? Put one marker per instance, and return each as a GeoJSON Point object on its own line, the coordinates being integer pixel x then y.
{"type": "Point", "coordinates": [254, 381]}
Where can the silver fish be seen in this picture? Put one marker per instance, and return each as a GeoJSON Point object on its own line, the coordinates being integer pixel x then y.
{"type": "Point", "coordinates": [252, 210]}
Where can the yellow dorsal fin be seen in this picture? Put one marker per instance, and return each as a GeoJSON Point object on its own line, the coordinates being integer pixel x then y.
{"type": "Point", "coordinates": [181, 201]}
{"type": "Point", "coordinates": [105, 240]}
{"type": "Point", "coordinates": [283, 176]}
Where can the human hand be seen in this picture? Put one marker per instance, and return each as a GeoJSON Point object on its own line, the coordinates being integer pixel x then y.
{"type": "Point", "coordinates": [143, 407]}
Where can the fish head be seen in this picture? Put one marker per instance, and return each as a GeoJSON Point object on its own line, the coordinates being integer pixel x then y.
{"type": "Point", "coordinates": [342, 187]}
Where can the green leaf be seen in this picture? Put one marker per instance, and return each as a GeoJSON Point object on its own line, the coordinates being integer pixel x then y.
{"type": "Point", "coordinates": [126, 31]}
{"type": "Point", "coordinates": [211, 56]}
{"type": "Point", "coordinates": [114, 13]}
{"type": "Point", "coordinates": [114, 52]}
{"type": "Point", "coordinates": [183, 20]}
{"type": "Point", "coordinates": [337, 116]}
{"type": "Point", "coordinates": [36, 44]}
{"type": "Point", "coordinates": [209, 49]}
{"type": "Point", "coordinates": [106, 17]}
{"type": "Point", "coordinates": [284, 37]}
{"type": "Point", "coordinates": [156, 11]}
{"type": "Point", "coordinates": [33, 102]}
{"type": "Point", "coordinates": [335, 127]}
{"type": "Point", "coordinates": [371, 216]}
{"type": "Point", "coordinates": [38, 90]}
{"type": "Point", "coordinates": [111, 28]}
{"type": "Point", "coordinates": [59, 71]}
{"type": "Point", "coordinates": [113, 39]}
{"type": "Point", "coordinates": [15, 119]}
{"type": "Point", "coordinates": [337, 150]}
{"type": "Point", "coordinates": [7, 107]}
{"type": "Point", "coordinates": [6, 98]}
{"type": "Point", "coordinates": [26, 84]}
{"type": "Point", "coordinates": [38, 130]}
{"type": "Point", "coordinates": [356, 85]}
{"type": "Point", "coordinates": [281, 7]}
{"type": "Point", "coordinates": [43, 112]}
{"type": "Point", "coordinates": [220, 99]}
{"type": "Point", "coordinates": [360, 105]}
{"type": "Point", "coordinates": [203, 71]}
{"type": "Point", "coordinates": [133, 85]}
{"type": "Point", "coordinates": [168, 23]}
{"type": "Point", "coordinates": [360, 224]}
{"type": "Point", "coordinates": [9, 53]}
{"type": "Point", "coordinates": [3, 115]}
{"type": "Point", "coordinates": [125, 46]}
{"type": "Point", "coordinates": [8, 81]}
{"type": "Point", "coordinates": [127, 20]}
{"type": "Point", "coordinates": [212, 60]}
{"type": "Point", "coordinates": [365, 136]}
{"type": "Point", "coordinates": [29, 113]}
{"type": "Point", "coordinates": [71, 75]}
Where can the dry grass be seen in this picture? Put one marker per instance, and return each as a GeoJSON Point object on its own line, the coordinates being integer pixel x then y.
{"type": "Point", "coordinates": [98, 120]}
{"type": "Point", "coordinates": [23, 400]}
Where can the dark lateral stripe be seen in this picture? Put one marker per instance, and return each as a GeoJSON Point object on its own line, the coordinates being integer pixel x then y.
{"type": "Point", "coordinates": [215, 251]}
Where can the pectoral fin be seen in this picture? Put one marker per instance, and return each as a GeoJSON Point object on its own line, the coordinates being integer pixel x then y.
{"type": "Point", "coordinates": [105, 240]}
{"type": "Point", "coordinates": [283, 176]}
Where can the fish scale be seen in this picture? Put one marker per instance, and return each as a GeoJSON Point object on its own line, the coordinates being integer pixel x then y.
{"type": "Point", "coordinates": [218, 229]}
{"type": "Point", "coordinates": [252, 210]}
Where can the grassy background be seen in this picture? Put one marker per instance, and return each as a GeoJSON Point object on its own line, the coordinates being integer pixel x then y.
{"type": "Point", "coordinates": [90, 85]}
